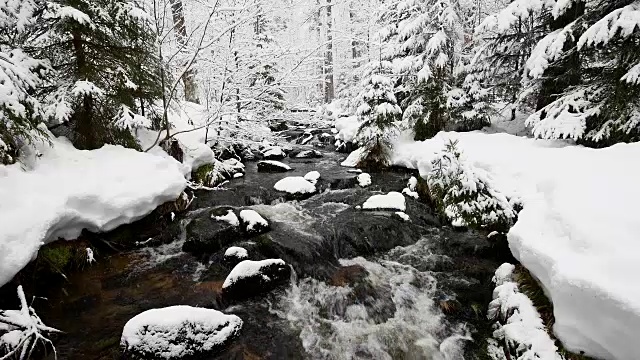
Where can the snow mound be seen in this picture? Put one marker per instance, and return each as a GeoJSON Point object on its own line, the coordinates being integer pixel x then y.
{"type": "Point", "coordinates": [354, 158]}
{"type": "Point", "coordinates": [236, 251]}
{"type": "Point", "coordinates": [410, 190]}
{"type": "Point", "coordinates": [364, 180]}
{"type": "Point", "coordinates": [295, 185]}
{"type": "Point", "coordinates": [577, 232]}
{"type": "Point", "coordinates": [312, 177]}
{"type": "Point", "coordinates": [391, 201]}
{"type": "Point", "coordinates": [178, 331]}
{"type": "Point", "coordinates": [347, 127]}
{"type": "Point", "coordinates": [249, 268]}
{"type": "Point", "coordinates": [517, 320]}
{"type": "Point", "coordinates": [252, 220]}
{"type": "Point", "coordinates": [59, 190]}
{"type": "Point", "coordinates": [229, 218]}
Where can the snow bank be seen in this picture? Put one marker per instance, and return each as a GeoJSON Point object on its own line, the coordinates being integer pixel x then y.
{"type": "Point", "coordinates": [517, 320]}
{"type": "Point", "coordinates": [249, 268]}
{"type": "Point", "coordinates": [178, 331]}
{"type": "Point", "coordinates": [391, 201]}
{"type": "Point", "coordinates": [295, 185]}
{"type": "Point", "coordinates": [238, 252]}
{"type": "Point", "coordinates": [364, 180]}
{"type": "Point", "coordinates": [578, 231]}
{"type": "Point", "coordinates": [65, 190]}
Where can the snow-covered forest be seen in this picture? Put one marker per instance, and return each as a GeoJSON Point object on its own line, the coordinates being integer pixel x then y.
{"type": "Point", "coordinates": [323, 179]}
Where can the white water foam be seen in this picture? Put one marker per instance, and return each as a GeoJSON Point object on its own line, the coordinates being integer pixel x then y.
{"type": "Point", "coordinates": [398, 319]}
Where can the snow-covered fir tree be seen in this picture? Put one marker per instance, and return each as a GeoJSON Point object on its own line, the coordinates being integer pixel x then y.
{"type": "Point", "coordinates": [106, 62]}
{"type": "Point", "coordinates": [425, 47]}
{"type": "Point", "coordinates": [602, 107]}
{"type": "Point", "coordinates": [378, 112]}
{"type": "Point", "coordinates": [20, 76]}
{"type": "Point", "coordinates": [469, 104]}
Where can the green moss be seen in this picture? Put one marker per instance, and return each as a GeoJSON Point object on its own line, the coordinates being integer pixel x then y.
{"type": "Point", "coordinates": [61, 256]}
{"type": "Point", "coordinates": [202, 174]}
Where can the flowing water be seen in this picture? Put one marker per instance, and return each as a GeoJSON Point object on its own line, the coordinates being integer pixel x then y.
{"type": "Point", "coordinates": [368, 285]}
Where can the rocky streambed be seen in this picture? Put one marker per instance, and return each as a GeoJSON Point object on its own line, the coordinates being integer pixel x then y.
{"type": "Point", "coordinates": [362, 284]}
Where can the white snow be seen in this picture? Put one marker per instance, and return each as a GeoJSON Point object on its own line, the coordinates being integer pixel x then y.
{"type": "Point", "coordinates": [391, 201]}
{"type": "Point", "coordinates": [410, 190]}
{"type": "Point", "coordinates": [276, 163]}
{"type": "Point", "coordinates": [295, 185]}
{"type": "Point", "coordinates": [354, 158]}
{"type": "Point", "coordinates": [273, 151]}
{"type": "Point", "coordinates": [347, 127]}
{"type": "Point", "coordinates": [252, 218]}
{"type": "Point", "coordinates": [578, 231]}
{"type": "Point", "coordinates": [249, 268]}
{"type": "Point", "coordinates": [229, 218]}
{"type": "Point", "coordinates": [312, 177]}
{"type": "Point", "coordinates": [364, 180]}
{"type": "Point", "coordinates": [236, 251]}
{"type": "Point", "coordinates": [64, 190]}
{"type": "Point", "coordinates": [402, 215]}
{"type": "Point", "coordinates": [165, 332]}
{"type": "Point", "coordinates": [517, 320]}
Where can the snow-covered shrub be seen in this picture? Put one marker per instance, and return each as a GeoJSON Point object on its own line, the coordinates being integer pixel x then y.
{"type": "Point", "coordinates": [464, 193]}
{"type": "Point", "coordinates": [378, 111]}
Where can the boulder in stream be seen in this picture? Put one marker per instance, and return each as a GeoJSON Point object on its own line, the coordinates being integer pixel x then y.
{"type": "Point", "coordinates": [308, 154]}
{"type": "Point", "coordinates": [235, 254]}
{"type": "Point", "coordinates": [212, 231]}
{"type": "Point", "coordinates": [250, 278]}
{"type": "Point", "coordinates": [253, 223]}
{"type": "Point", "coordinates": [274, 153]}
{"type": "Point", "coordinates": [296, 186]}
{"type": "Point", "coordinates": [272, 166]}
{"type": "Point", "coordinates": [178, 332]}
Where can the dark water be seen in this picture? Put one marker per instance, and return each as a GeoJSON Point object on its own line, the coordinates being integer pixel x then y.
{"type": "Point", "coordinates": [368, 285]}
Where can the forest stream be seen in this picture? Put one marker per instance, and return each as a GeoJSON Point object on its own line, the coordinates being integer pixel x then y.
{"type": "Point", "coordinates": [365, 284]}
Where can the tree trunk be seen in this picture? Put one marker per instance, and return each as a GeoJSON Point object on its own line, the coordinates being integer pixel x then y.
{"type": "Point", "coordinates": [328, 63]}
{"type": "Point", "coordinates": [83, 117]}
{"type": "Point", "coordinates": [180, 28]}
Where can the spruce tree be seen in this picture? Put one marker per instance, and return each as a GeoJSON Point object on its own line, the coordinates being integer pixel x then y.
{"type": "Point", "coordinates": [602, 108]}
{"type": "Point", "coordinates": [105, 57]}
{"type": "Point", "coordinates": [20, 75]}
{"type": "Point", "coordinates": [424, 47]}
{"type": "Point", "coordinates": [378, 112]}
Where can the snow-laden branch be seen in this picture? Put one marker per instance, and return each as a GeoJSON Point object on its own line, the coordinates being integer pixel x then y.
{"type": "Point", "coordinates": [23, 331]}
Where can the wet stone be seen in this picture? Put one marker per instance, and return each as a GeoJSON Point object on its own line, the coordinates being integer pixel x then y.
{"type": "Point", "coordinates": [207, 234]}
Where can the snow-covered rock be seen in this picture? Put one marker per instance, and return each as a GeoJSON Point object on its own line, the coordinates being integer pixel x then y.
{"type": "Point", "coordinates": [208, 233]}
{"type": "Point", "coordinates": [364, 180]}
{"type": "Point", "coordinates": [402, 216]}
{"type": "Point", "coordinates": [308, 154]}
{"type": "Point", "coordinates": [273, 153]}
{"type": "Point", "coordinates": [354, 158]}
{"type": "Point", "coordinates": [312, 177]}
{"type": "Point", "coordinates": [272, 166]}
{"type": "Point", "coordinates": [253, 222]}
{"type": "Point", "coordinates": [236, 252]}
{"type": "Point", "coordinates": [391, 201]}
{"type": "Point", "coordinates": [577, 233]}
{"type": "Point", "coordinates": [230, 218]}
{"type": "Point", "coordinates": [517, 322]}
{"type": "Point", "coordinates": [58, 191]}
{"type": "Point", "coordinates": [295, 185]}
{"type": "Point", "coordinates": [178, 332]}
{"type": "Point", "coordinates": [253, 277]}
{"type": "Point", "coordinates": [346, 128]}
{"type": "Point", "coordinates": [410, 190]}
